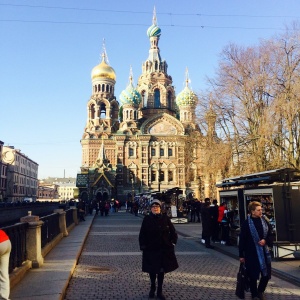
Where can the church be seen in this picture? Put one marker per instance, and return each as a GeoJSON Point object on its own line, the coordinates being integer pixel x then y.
{"type": "Point", "coordinates": [144, 141]}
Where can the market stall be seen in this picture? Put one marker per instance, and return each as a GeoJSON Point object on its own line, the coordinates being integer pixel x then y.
{"type": "Point", "coordinates": [279, 192]}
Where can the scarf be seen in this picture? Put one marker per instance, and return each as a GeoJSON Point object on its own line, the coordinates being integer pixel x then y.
{"type": "Point", "coordinates": [263, 261]}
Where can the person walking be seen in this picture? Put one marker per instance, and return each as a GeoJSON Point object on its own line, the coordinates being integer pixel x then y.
{"type": "Point", "coordinates": [5, 248]}
{"type": "Point", "coordinates": [206, 223]}
{"type": "Point", "coordinates": [214, 211]}
{"type": "Point", "coordinates": [255, 240]}
{"type": "Point", "coordinates": [157, 240]}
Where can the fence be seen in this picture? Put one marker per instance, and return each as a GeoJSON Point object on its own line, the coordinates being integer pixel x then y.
{"type": "Point", "coordinates": [34, 234]}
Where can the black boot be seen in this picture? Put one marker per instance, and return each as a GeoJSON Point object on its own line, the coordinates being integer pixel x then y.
{"type": "Point", "coordinates": [160, 295]}
{"type": "Point", "coordinates": [152, 291]}
{"type": "Point", "coordinates": [160, 280]}
{"type": "Point", "coordinates": [153, 285]}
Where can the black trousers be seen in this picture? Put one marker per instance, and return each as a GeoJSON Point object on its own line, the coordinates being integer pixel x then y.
{"type": "Point", "coordinates": [261, 286]}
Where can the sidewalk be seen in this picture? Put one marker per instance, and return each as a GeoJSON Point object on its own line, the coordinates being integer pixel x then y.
{"type": "Point", "coordinates": [51, 280]}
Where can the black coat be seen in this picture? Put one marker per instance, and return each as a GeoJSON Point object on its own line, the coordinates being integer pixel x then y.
{"type": "Point", "coordinates": [247, 247]}
{"type": "Point", "coordinates": [157, 239]}
{"type": "Point", "coordinates": [207, 224]}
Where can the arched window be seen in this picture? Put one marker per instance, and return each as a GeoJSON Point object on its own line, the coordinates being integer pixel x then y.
{"type": "Point", "coordinates": [131, 152]}
{"type": "Point", "coordinates": [156, 98]}
{"type": "Point", "coordinates": [103, 86]}
{"type": "Point", "coordinates": [107, 88]}
{"type": "Point", "coordinates": [102, 111]}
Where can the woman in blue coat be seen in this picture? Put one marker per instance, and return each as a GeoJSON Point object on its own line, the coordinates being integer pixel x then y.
{"type": "Point", "coordinates": [157, 239]}
{"type": "Point", "coordinates": [255, 240]}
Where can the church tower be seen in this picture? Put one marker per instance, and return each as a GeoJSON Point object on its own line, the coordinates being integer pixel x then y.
{"type": "Point", "coordinates": [155, 85]}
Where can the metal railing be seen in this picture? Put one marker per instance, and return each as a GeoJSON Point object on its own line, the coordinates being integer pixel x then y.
{"type": "Point", "coordinates": [17, 236]}
{"type": "Point", "coordinates": [69, 217]}
{"type": "Point", "coordinates": [50, 229]}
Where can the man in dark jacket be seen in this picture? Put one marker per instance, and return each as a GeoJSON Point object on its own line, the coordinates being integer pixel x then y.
{"type": "Point", "coordinates": [157, 239]}
{"type": "Point", "coordinates": [206, 223]}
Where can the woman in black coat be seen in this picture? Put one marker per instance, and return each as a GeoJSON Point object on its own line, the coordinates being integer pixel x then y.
{"type": "Point", "coordinates": [157, 240]}
{"type": "Point", "coordinates": [254, 243]}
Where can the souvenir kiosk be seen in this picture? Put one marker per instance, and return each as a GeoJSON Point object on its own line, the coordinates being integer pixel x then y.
{"type": "Point", "coordinates": [279, 192]}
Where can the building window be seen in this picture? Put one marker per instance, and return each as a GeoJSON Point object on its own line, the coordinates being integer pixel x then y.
{"type": "Point", "coordinates": [157, 98]}
{"type": "Point", "coordinates": [153, 152]}
{"type": "Point", "coordinates": [162, 152]}
{"type": "Point", "coordinates": [170, 176]}
{"type": "Point", "coordinates": [131, 152]}
{"type": "Point", "coordinates": [170, 152]}
{"type": "Point", "coordinates": [153, 176]}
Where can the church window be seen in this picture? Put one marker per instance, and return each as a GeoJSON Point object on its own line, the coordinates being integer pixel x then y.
{"type": "Point", "coordinates": [161, 151]}
{"type": "Point", "coordinates": [153, 152]}
{"type": "Point", "coordinates": [102, 88]}
{"type": "Point", "coordinates": [156, 98]}
{"type": "Point", "coordinates": [131, 152]}
{"type": "Point", "coordinates": [156, 66]}
{"type": "Point", "coordinates": [102, 110]}
{"type": "Point", "coordinates": [170, 152]}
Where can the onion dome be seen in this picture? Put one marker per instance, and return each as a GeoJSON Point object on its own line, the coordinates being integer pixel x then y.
{"type": "Point", "coordinates": [186, 96]}
{"type": "Point", "coordinates": [154, 30]}
{"type": "Point", "coordinates": [103, 70]}
{"type": "Point", "coordinates": [130, 95]}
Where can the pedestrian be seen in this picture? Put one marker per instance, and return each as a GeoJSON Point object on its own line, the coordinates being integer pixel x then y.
{"type": "Point", "coordinates": [254, 243]}
{"type": "Point", "coordinates": [224, 224]}
{"type": "Point", "coordinates": [157, 240]}
{"type": "Point", "coordinates": [206, 223]}
{"type": "Point", "coordinates": [198, 206]}
{"type": "Point", "coordinates": [106, 208]}
{"type": "Point", "coordinates": [214, 211]}
{"type": "Point", "coordinates": [5, 248]}
{"type": "Point", "coordinates": [193, 210]}
{"type": "Point", "coordinates": [81, 210]}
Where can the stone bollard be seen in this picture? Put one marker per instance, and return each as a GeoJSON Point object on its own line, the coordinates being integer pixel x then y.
{"type": "Point", "coordinates": [75, 217]}
{"type": "Point", "coordinates": [62, 221]}
{"type": "Point", "coordinates": [33, 240]}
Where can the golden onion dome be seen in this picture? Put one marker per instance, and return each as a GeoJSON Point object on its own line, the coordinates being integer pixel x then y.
{"type": "Point", "coordinates": [103, 70]}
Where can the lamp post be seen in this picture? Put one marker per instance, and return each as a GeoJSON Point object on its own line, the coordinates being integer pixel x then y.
{"type": "Point", "coordinates": [159, 175]}
{"type": "Point", "coordinates": [132, 189]}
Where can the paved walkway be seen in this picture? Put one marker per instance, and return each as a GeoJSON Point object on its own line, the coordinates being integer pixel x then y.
{"type": "Point", "coordinates": [109, 267]}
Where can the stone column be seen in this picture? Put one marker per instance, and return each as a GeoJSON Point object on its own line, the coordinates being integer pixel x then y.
{"type": "Point", "coordinates": [75, 217]}
{"type": "Point", "coordinates": [62, 221]}
{"type": "Point", "coordinates": [33, 240]}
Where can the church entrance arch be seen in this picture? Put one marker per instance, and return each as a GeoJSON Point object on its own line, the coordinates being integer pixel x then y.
{"type": "Point", "coordinates": [102, 195]}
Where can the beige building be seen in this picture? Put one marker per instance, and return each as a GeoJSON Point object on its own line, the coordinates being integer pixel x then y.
{"type": "Point", "coordinates": [145, 140]}
{"type": "Point", "coordinates": [58, 188]}
{"type": "Point", "coordinates": [22, 173]}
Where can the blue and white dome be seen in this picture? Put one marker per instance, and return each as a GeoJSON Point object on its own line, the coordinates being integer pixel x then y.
{"type": "Point", "coordinates": [130, 95]}
{"type": "Point", "coordinates": [186, 96]}
{"type": "Point", "coordinates": [154, 30]}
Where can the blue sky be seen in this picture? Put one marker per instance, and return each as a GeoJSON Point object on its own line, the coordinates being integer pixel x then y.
{"type": "Point", "coordinates": [48, 49]}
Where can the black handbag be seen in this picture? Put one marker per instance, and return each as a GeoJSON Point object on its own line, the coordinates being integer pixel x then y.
{"type": "Point", "coordinates": [242, 283]}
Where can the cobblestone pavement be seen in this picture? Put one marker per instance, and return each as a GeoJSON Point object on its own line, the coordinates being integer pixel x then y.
{"type": "Point", "coordinates": [110, 268]}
